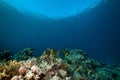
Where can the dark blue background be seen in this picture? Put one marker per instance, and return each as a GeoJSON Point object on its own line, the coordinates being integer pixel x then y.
{"type": "Point", "coordinates": [97, 32]}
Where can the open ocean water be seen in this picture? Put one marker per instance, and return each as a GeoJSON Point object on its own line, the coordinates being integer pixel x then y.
{"type": "Point", "coordinates": [81, 24]}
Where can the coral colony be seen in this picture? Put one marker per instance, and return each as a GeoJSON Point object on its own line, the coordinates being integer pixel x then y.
{"type": "Point", "coordinates": [73, 65]}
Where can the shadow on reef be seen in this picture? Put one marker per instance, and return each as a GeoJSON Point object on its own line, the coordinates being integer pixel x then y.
{"type": "Point", "coordinates": [75, 65]}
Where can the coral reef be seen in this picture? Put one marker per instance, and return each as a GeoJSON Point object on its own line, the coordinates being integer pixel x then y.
{"type": "Point", "coordinates": [74, 65]}
{"type": "Point", "coordinates": [5, 55]}
{"type": "Point", "coordinates": [8, 69]}
{"type": "Point", "coordinates": [24, 54]}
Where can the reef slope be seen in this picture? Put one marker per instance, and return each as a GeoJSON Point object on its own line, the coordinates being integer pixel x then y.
{"type": "Point", "coordinates": [74, 64]}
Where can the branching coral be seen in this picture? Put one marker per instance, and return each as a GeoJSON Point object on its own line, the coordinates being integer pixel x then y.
{"type": "Point", "coordinates": [24, 54]}
{"type": "Point", "coordinates": [50, 66]}
{"type": "Point", "coordinates": [8, 69]}
{"type": "Point", "coordinates": [3, 75]}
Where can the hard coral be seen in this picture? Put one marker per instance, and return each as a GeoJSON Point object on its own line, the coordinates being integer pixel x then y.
{"type": "Point", "coordinates": [22, 70]}
{"type": "Point", "coordinates": [24, 54]}
{"type": "Point", "coordinates": [15, 78]}
{"type": "Point", "coordinates": [8, 69]}
{"type": "Point", "coordinates": [35, 69]}
{"type": "Point", "coordinates": [63, 73]}
{"type": "Point", "coordinates": [29, 76]}
{"type": "Point", "coordinates": [74, 66]}
{"type": "Point", "coordinates": [3, 75]}
{"type": "Point", "coordinates": [30, 62]}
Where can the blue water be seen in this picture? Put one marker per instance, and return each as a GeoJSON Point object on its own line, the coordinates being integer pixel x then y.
{"type": "Point", "coordinates": [95, 30]}
{"type": "Point", "coordinates": [53, 8]}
